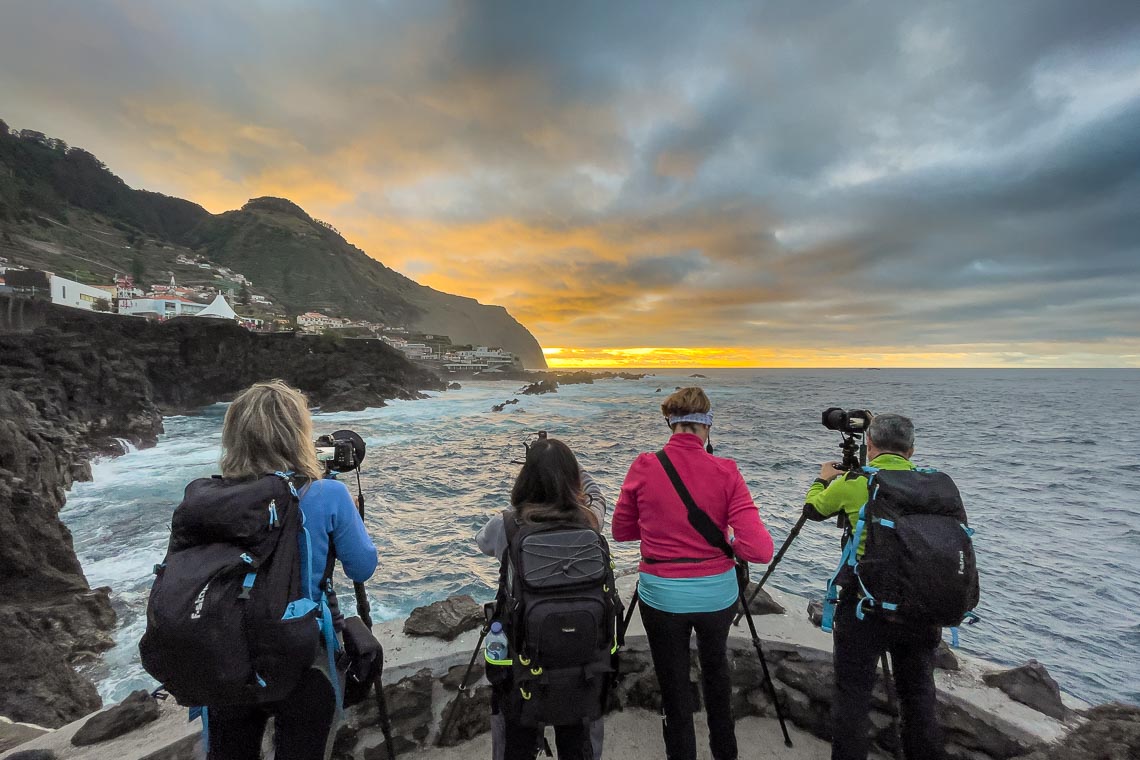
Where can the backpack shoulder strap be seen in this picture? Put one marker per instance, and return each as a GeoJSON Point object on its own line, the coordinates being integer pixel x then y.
{"type": "Point", "coordinates": [698, 518]}
{"type": "Point", "coordinates": [511, 526]}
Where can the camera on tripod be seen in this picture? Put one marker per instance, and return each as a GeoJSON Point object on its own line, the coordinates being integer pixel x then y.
{"type": "Point", "coordinates": [341, 451]}
{"type": "Point", "coordinates": [852, 424]}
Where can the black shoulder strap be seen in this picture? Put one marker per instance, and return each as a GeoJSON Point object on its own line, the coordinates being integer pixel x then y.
{"type": "Point", "coordinates": [698, 518]}
{"type": "Point", "coordinates": [510, 526]}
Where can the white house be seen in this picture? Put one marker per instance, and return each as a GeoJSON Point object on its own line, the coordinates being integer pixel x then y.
{"type": "Point", "coordinates": [71, 293]}
{"type": "Point", "coordinates": [160, 308]}
{"type": "Point", "coordinates": [314, 321]}
{"type": "Point", "coordinates": [493, 358]}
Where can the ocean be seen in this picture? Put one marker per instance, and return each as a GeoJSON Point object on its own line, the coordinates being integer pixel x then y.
{"type": "Point", "coordinates": [1046, 461]}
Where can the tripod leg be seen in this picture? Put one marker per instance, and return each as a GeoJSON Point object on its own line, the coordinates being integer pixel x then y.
{"type": "Point", "coordinates": [892, 704]}
{"type": "Point", "coordinates": [772, 565]}
{"type": "Point", "coordinates": [633, 600]}
{"type": "Point", "coordinates": [385, 721]}
{"type": "Point", "coordinates": [446, 725]}
{"type": "Point", "coordinates": [764, 667]}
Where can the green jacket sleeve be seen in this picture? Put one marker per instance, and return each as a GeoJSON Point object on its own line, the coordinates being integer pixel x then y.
{"type": "Point", "coordinates": [843, 493]}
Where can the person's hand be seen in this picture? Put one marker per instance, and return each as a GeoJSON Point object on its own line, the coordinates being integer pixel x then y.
{"type": "Point", "coordinates": [828, 471]}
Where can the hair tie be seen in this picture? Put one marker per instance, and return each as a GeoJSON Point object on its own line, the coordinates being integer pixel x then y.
{"type": "Point", "coordinates": [701, 418]}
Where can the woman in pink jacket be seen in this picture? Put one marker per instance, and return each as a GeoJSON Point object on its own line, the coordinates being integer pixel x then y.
{"type": "Point", "coordinates": [687, 584]}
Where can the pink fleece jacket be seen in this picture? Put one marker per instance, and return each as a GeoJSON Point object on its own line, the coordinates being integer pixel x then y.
{"type": "Point", "coordinates": [649, 509]}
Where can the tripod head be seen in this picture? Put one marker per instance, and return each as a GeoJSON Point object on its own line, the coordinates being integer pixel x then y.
{"type": "Point", "coordinates": [854, 449]}
{"type": "Point", "coordinates": [527, 443]}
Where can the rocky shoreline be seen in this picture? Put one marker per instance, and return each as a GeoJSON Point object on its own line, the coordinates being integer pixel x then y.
{"type": "Point", "coordinates": [71, 384]}
{"type": "Point", "coordinates": [426, 657]}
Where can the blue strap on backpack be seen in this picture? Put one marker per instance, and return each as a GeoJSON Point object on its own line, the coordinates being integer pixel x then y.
{"type": "Point", "coordinates": [849, 558]}
{"type": "Point", "coordinates": [305, 605]}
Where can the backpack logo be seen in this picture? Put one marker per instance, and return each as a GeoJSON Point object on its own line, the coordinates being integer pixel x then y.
{"type": "Point", "coordinates": [961, 562]}
{"type": "Point", "coordinates": [199, 602]}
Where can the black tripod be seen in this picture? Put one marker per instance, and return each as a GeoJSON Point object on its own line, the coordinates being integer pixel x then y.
{"type": "Point", "coordinates": [364, 610]}
{"type": "Point", "coordinates": [741, 577]}
{"type": "Point", "coordinates": [854, 458]}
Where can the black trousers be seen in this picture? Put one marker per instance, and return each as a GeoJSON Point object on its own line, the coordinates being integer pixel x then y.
{"type": "Point", "coordinates": [571, 742]}
{"type": "Point", "coordinates": [301, 726]}
{"type": "Point", "coordinates": [668, 634]}
{"type": "Point", "coordinates": [522, 742]}
{"type": "Point", "coordinates": [858, 646]}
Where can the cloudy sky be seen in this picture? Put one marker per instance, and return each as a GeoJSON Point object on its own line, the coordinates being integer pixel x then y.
{"type": "Point", "coordinates": [766, 183]}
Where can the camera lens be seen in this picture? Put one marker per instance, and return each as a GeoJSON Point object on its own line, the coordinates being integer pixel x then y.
{"type": "Point", "coordinates": [835, 418]}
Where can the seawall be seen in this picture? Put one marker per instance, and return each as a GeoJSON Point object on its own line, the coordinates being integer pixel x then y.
{"type": "Point", "coordinates": [71, 382]}
{"type": "Point", "coordinates": [422, 675]}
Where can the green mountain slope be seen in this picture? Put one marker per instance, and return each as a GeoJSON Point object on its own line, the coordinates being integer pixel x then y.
{"type": "Point", "coordinates": [63, 210]}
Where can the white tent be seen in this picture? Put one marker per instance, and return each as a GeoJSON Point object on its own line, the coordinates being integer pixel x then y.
{"type": "Point", "coordinates": [218, 309]}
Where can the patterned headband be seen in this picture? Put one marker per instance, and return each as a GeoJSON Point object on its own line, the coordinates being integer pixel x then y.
{"type": "Point", "coordinates": [697, 417]}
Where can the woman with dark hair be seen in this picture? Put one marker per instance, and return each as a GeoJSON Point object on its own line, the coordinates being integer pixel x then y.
{"type": "Point", "coordinates": [686, 583]}
{"type": "Point", "coordinates": [550, 487]}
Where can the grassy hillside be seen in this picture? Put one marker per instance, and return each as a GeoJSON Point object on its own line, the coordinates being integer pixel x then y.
{"type": "Point", "coordinates": [61, 209]}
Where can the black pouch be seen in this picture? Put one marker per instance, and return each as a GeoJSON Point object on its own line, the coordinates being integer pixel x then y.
{"type": "Point", "coordinates": [365, 660]}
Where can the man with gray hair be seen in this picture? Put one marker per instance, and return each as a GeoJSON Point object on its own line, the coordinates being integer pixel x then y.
{"type": "Point", "coordinates": [859, 643]}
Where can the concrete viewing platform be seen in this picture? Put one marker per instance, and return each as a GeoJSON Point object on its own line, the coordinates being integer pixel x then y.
{"type": "Point", "coordinates": [422, 673]}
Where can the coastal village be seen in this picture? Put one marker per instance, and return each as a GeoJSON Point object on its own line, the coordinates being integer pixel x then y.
{"type": "Point", "coordinates": [231, 298]}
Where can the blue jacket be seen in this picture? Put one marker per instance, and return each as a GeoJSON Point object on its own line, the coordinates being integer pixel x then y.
{"type": "Point", "coordinates": [330, 511]}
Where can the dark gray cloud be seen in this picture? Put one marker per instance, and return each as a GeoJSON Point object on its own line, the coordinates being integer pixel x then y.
{"type": "Point", "coordinates": [645, 172]}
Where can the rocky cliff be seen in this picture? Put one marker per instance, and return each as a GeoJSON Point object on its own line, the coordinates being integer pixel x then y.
{"type": "Point", "coordinates": [68, 388]}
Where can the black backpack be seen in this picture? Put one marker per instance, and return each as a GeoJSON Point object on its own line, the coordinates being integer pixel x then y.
{"type": "Point", "coordinates": [918, 566]}
{"type": "Point", "coordinates": [560, 608]}
{"type": "Point", "coordinates": [228, 620]}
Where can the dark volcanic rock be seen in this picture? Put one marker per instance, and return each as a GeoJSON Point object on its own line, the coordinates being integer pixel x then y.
{"type": "Point", "coordinates": [542, 386]}
{"type": "Point", "coordinates": [40, 685]}
{"type": "Point", "coordinates": [944, 657]}
{"type": "Point", "coordinates": [815, 612]}
{"type": "Point", "coordinates": [445, 619]}
{"type": "Point", "coordinates": [504, 405]}
{"type": "Point", "coordinates": [32, 754]}
{"type": "Point", "coordinates": [465, 717]}
{"type": "Point", "coordinates": [1111, 732]}
{"type": "Point", "coordinates": [454, 676]}
{"type": "Point", "coordinates": [14, 734]}
{"type": "Point", "coordinates": [454, 387]}
{"type": "Point", "coordinates": [67, 389]}
{"type": "Point", "coordinates": [763, 604]}
{"type": "Point", "coordinates": [138, 709]}
{"type": "Point", "coordinates": [1031, 685]}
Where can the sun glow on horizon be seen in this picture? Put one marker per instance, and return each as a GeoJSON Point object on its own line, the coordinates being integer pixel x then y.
{"type": "Point", "coordinates": [560, 357]}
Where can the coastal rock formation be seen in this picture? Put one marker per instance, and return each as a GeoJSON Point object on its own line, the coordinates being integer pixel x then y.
{"type": "Point", "coordinates": [422, 675]}
{"type": "Point", "coordinates": [445, 619]}
{"type": "Point", "coordinates": [68, 389]}
{"type": "Point", "coordinates": [465, 717]}
{"type": "Point", "coordinates": [761, 602]}
{"type": "Point", "coordinates": [138, 709]}
{"type": "Point", "coordinates": [1031, 684]}
{"type": "Point", "coordinates": [1110, 732]}
{"type": "Point", "coordinates": [540, 387]}
{"type": "Point", "coordinates": [14, 734]}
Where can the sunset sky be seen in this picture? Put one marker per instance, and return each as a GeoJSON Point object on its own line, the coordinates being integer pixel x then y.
{"type": "Point", "coordinates": [652, 183]}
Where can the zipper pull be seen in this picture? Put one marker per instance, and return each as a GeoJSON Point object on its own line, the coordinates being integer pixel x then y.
{"type": "Point", "coordinates": [273, 521]}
